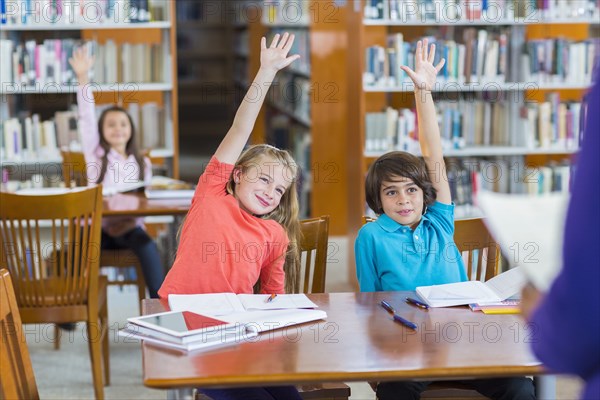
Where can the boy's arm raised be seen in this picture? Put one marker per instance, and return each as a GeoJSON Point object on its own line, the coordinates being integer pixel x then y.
{"type": "Point", "coordinates": [423, 78]}
{"type": "Point", "coordinates": [272, 59]}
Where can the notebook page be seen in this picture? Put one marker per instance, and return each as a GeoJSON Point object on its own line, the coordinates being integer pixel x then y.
{"type": "Point", "coordinates": [460, 291]}
{"type": "Point", "coordinates": [508, 283]}
{"type": "Point", "coordinates": [212, 304]}
{"type": "Point", "coordinates": [282, 301]}
{"type": "Point", "coordinates": [529, 230]}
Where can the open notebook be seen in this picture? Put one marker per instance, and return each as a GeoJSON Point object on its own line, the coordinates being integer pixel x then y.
{"type": "Point", "coordinates": [496, 289]}
{"type": "Point", "coordinates": [529, 230]}
{"type": "Point", "coordinates": [217, 304]}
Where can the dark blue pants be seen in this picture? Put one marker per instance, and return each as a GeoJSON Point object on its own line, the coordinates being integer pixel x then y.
{"type": "Point", "coordinates": [254, 393]}
{"type": "Point", "coordinates": [519, 388]}
{"type": "Point", "coordinates": [138, 241]}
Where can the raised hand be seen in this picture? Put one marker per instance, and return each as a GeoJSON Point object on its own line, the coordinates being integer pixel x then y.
{"type": "Point", "coordinates": [425, 72]}
{"type": "Point", "coordinates": [81, 63]}
{"type": "Point", "coordinates": [275, 57]}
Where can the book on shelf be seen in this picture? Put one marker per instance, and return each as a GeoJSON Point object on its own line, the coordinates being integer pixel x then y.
{"type": "Point", "coordinates": [498, 288]}
{"type": "Point", "coordinates": [220, 304]}
{"type": "Point", "coordinates": [80, 12]}
{"type": "Point", "coordinates": [531, 227]}
{"type": "Point", "coordinates": [486, 59]}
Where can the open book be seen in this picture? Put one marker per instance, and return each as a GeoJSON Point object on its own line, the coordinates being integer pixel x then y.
{"type": "Point", "coordinates": [217, 304]}
{"type": "Point", "coordinates": [169, 188]}
{"type": "Point", "coordinates": [530, 228]}
{"type": "Point", "coordinates": [498, 288]}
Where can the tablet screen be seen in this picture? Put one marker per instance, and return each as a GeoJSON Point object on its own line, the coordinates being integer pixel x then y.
{"type": "Point", "coordinates": [180, 322]}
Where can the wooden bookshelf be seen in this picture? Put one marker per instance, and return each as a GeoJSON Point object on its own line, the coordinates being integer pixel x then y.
{"type": "Point", "coordinates": [49, 97]}
{"type": "Point", "coordinates": [362, 99]}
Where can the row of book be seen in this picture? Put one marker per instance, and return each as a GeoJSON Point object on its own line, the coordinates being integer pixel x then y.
{"type": "Point", "coordinates": [292, 94]}
{"type": "Point", "coordinates": [301, 47]}
{"type": "Point", "coordinates": [283, 133]}
{"type": "Point", "coordinates": [296, 12]}
{"type": "Point", "coordinates": [468, 176]}
{"type": "Point", "coordinates": [449, 11]}
{"type": "Point", "coordinates": [550, 125]}
{"type": "Point", "coordinates": [67, 12]}
{"type": "Point", "coordinates": [32, 63]}
{"type": "Point", "coordinates": [31, 138]}
{"type": "Point", "coordinates": [486, 56]}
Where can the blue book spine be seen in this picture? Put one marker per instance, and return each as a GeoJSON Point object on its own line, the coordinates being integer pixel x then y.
{"type": "Point", "coordinates": [2, 12]}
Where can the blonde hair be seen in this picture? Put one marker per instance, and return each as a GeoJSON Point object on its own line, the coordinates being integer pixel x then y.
{"type": "Point", "coordinates": [286, 214]}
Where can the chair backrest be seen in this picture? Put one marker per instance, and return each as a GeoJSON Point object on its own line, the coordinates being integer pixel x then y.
{"type": "Point", "coordinates": [18, 380]}
{"type": "Point", "coordinates": [74, 168]}
{"type": "Point", "coordinates": [51, 246]}
{"type": "Point", "coordinates": [476, 244]}
{"type": "Point", "coordinates": [313, 248]}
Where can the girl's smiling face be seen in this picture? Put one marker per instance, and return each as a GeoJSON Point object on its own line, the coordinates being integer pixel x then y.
{"type": "Point", "coordinates": [260, 187]}
{"type": "Point", "coordinates": [402, 200]}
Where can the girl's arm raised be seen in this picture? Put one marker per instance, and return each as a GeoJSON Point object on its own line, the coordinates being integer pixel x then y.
{"type": "Point", "coordinates": [272, 59]}
{"type": "Point", "coordinates": [81, 64]}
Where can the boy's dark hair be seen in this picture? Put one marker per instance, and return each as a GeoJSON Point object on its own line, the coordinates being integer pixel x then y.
{"type": "Point", "coordinates": [397, 163]}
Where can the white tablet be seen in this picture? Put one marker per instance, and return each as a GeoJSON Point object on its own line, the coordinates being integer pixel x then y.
{"type": "Point", "coordinates": [180, 323]}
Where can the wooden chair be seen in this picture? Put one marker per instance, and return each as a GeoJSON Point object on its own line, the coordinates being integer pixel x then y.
{"type": "Point", "coordinates": [50, 246]}
{"type": "Point", "coordinates": [313, 248]}
{"type": "Point", "coordinates": [18, 381]}
{"type": "Point", "coordinates": [481, 255]}
{"type": "Point", "coordinates": [74, 174]}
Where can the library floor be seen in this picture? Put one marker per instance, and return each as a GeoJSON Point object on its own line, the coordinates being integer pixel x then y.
{"type": "Point", "coordinates": [66, 373]}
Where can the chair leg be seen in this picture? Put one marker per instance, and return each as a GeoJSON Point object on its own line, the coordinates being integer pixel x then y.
{"type": "Point", "coordinates": [141, 284]}
{"type": "Point", "coordinates": [94, 343]}
{"type": "Point", "coordinates": [56, 337]}
{"type": "Point", "coordinates": [105, 344]}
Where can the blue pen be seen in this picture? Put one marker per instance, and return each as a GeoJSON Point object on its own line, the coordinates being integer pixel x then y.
{"type": "Point", "coordinates": [417, 303]}
{"type": "Point", "coordinates": [405, 322]}
{"type": "Point", "coordinates": [388, 307]}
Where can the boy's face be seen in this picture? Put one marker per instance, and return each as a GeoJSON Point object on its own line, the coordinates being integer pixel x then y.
{"type": "Point", "coordinates": [260, 188]}
{"type": "Point", "coordinates": [402, 200]}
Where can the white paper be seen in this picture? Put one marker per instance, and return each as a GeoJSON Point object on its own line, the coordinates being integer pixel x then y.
{"type": "Point", "coordinates": [217, 304]}
{"type": "Point", "coordinates": [508, 283]}
{"type": "Point", "coordinates": [529, 230]}
{"type": "Point", "coordinates": [169, 194]}
{"type": "Point", "coordinates": [282, 301]}
{"type": "Point", "coordinates": [262, 321]}
{"type": "Point", "coordinates": [212, 304]}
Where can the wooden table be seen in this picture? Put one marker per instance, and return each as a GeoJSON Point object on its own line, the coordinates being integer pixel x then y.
{"type": "Point", "coordinates": [357, 342]}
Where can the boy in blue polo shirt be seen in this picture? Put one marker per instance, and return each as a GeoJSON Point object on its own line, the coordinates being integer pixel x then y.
{"type": "Point", "coordinates": [411, 243]}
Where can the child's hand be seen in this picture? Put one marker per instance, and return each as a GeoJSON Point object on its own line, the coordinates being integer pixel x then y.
{"type": "Point", "coordinates": [81, 63]}
{"type": "Point", "coordinates": [424, 74]}
{"type": "Point", "coordinates": [275, 57]}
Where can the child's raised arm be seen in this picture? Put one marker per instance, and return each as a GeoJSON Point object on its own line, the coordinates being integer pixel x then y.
{"type": "Point", "coordinates": [81, 64]}
{"type": "Point", "coordinates": [272, 59]}
{"type": "Point", "coordinates": [423, 78]}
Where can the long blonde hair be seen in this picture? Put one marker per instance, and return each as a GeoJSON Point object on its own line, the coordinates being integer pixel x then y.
{"type": "Point", "coordinates": [287, 211]}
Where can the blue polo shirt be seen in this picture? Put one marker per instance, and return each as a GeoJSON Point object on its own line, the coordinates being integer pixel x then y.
{"type": "Point", "coordinates": [390, 256]}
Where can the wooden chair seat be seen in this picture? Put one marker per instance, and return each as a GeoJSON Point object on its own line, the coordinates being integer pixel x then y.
{"type": "Point", "coordinates": [324, 391]}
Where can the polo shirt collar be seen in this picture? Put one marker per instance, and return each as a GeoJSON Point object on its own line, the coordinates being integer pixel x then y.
{"type": "Point", "coordinates": [389, 225]}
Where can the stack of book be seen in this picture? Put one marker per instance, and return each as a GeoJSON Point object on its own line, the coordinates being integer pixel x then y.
{"type": "Point", "coordinates": [508, 306]}
{"type": "Point", "coordinates": [207, 321]}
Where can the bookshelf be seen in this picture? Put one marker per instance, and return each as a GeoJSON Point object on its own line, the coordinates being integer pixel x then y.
{"type": "Point", "coordinates": [305, 111]}
{"type": "Point", "coordinates": [134, 46]}
{"type": "Point", "coordinates": [523, 96]}
{"type": "Point", "coordinates": [204, 36]}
